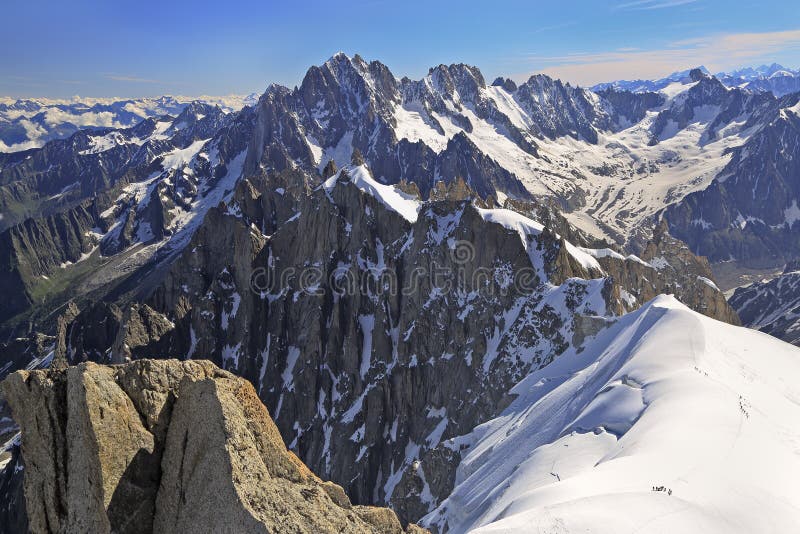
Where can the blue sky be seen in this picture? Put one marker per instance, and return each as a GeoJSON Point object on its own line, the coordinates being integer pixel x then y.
{"type": "Point", "coordinates": [147, 48]}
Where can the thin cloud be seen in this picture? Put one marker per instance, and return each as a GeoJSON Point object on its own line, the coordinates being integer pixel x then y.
{"type": "Point", "coordinates": [653, 4]}
{"type": "Point", "coordinates": [717, 52]}
{"type": "Point", "coordinates": [554, 27]}
{"type": "Point", "coordinates": [135, 79]}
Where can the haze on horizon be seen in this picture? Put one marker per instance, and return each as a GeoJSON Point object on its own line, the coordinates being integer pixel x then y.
{"type": "Point", "coordinates": [136, 49]}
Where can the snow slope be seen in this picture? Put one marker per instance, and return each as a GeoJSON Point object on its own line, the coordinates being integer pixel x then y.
{"type": "Point", "coordinates": [666, 422]}
{"type": "Point", "coordinates": [644, 177]}
{"type": "Point", "coordinates": [526, 227]}
{"type": "Point", "coordinates": [394, 199]}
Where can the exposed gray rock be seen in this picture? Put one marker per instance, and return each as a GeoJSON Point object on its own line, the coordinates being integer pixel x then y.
{"type": "Point", "coordinates": [670, 268]}
{"type": "Point", "coordinates": [363, 383]}
{"type": "Point", "coordinates": [166, 446]}
{"type": "Point", "coordinates": [329, 170]}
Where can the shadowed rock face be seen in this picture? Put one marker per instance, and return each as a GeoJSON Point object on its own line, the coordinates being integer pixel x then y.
{"type": "Point", "coordinates": [166, 446]}
{"type": "Point", "coordinates": [772, 306]}
{"type": "Point", "coordinates": [747, 213]}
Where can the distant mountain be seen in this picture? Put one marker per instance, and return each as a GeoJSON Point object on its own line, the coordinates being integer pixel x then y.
{"type": "Point", "coordinates": [30, 123]}
{"type": "Point", "coordinates": [772, 306]}
{"type": "Point", "coordinates": [612, 161]}
{"type": "Point", "coordinates": [642, 86]}
{"type": "Point", "coordinates": [773, 78]}
{"type": "Point", "coordinates": [749, 211]}
{"type": "Point", "coordinates": [743, 206]}
{"type": "Point", "coordinates": [754, 73]}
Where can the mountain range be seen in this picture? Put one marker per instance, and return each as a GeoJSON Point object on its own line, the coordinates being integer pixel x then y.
{"type": "Point", "coordinates": [438, 286]}
{"type": "Point", "coordinates": [774, 78]}
{"type": "Point", "coordinates": [30, 123]}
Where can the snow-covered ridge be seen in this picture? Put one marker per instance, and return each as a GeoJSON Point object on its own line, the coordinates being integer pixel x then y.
{"type": "Point", "coordinates": [666, 422]}
{"type": "Point", "coordinates": [527, 227]}
{"type": "Point", "coordinates": [607, 252]}
{"type": "Point", "coordinates": [391, 197]}
{"type": "Point", "coordinates": [409, 206]}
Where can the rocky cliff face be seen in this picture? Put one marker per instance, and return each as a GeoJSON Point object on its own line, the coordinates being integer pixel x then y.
{"type": "Point", "coordinates": [684, 275]}
{"type": "Point", "coordinates": [166, 446]}
{"type": "Point", "coordinates": [38, 247]}
{"type": "Point", "coordinates": [101, 197]}
{"type": "Point", "coordinates": [90, 162]}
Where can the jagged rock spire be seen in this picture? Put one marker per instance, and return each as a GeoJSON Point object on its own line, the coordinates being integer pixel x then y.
{"type": "Point", "coordinates": [357, 158]}
{"type": "Point", "coordinates": [329, 170]}
{"type": "Point", "coordinates": [60, 356]}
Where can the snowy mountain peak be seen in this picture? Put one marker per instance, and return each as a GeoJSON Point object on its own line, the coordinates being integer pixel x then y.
{"type": "Point", "coordinates": [698, 74]}
{"type": "Point", "coordinates": [782, 74]}
{"type": "Point", "coordinates": [360, 176]}
{"type": "Point", "coordinates": [769, 70]}
{"type": "Point", "coordinates": [456, 83]}
{"type": "Point", "coordinates": [639, 86]}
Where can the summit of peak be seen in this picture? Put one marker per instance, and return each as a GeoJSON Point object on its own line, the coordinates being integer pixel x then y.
{"type": "Point", "coordinates": [698, 74]}
{"type": "Point", "coordinates": [339, 56]}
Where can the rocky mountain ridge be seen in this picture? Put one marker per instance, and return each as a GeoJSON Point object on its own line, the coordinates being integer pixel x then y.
{"type": "Point", "coordinates": [149, 189]}
{"type": "Point", "coordinates": [612, 160]}
{"type": "Point", "coordinates": [748, 212]}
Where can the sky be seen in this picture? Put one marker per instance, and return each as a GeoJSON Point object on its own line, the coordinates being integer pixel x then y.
{"type": "Point", "coordinates": [123, 48]}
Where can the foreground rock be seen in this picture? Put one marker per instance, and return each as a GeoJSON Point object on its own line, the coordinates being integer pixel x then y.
{"type": "Point", "coordinates": [166, 446]}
